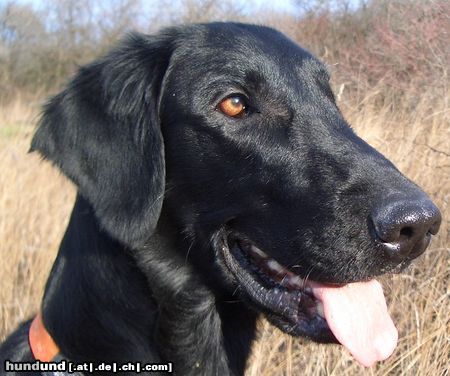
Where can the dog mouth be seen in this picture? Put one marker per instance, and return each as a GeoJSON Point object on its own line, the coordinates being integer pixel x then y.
{"type": "Point", "coordinates": [353, 314]}
{"type": "Point", "coordinates": [287, 299]}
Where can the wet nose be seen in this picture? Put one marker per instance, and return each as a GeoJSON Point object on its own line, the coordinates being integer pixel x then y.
{"type": "Point", "coordinates": [404, 224]}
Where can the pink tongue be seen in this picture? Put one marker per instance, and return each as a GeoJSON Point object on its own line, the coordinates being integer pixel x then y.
{"type": "Point", "coordinates": [357, 315]}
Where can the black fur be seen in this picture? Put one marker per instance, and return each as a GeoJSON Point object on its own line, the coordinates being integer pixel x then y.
{"type": "Point", "coordinates": [164, 177]}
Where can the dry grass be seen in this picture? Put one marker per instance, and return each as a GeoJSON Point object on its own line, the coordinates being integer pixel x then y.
{"type": "Point", "coordinates": [35, 202]}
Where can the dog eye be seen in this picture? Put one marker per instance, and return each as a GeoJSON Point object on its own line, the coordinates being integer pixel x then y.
{"type": "Point", "coordinates": [234, 106]}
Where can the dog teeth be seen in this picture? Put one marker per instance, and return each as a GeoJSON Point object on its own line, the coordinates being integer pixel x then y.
{"type": "Point", "coordinates": [278, 272]}
{"type": "Point", "coordinates": [319, 308]}
{"type": "Point", "coordinates": [257, 251]}
{"type": "Point", "coordinates": [282, 275]}
{"type": "Point", "coordinates": [296, 280]}
{"type": "Point", "coordinates": [274, 266]}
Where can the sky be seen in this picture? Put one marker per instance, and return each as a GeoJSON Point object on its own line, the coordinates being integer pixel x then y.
{"type": "Point", "coordinates": [285, 5]}
{"type": "Point", "coordinates": [277, 4]}
{"type": "Point", "coordinates": [249, 7]}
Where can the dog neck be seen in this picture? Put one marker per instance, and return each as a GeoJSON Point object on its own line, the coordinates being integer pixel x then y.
{"type": "Point", "coordinates": [129, 305]}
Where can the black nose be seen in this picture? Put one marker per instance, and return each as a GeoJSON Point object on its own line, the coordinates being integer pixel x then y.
{"type": "Point", "coordinates": [404, 224]}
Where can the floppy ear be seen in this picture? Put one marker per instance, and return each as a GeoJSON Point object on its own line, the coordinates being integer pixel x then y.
{"type": "Point", "coordinates": [103, 132]}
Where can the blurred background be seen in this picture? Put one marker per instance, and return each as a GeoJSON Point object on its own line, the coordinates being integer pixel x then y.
{"type": "Point", "coordinates": [390, 66]}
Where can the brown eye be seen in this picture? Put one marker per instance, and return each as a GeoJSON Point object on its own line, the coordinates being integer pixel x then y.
{"type": "Point", "coordinates": [234, 106]}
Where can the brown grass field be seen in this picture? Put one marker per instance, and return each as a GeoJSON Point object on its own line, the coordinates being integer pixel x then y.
{"type": "Point", "coordinates": [35, 202]}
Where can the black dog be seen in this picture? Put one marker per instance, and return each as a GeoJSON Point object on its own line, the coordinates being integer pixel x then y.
{"type": "Point", "coordinates": [217, 180]}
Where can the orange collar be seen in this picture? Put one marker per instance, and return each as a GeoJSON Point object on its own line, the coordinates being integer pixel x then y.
{"type": "Point", "coordinates": [42, 345]}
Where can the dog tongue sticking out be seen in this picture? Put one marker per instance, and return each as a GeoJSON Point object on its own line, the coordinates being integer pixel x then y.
{"type": "Point", "coordinates": [357, 315]}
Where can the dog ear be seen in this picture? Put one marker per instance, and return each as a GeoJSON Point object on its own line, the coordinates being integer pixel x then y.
{"type": "Point", "coordinates": [103, 132]}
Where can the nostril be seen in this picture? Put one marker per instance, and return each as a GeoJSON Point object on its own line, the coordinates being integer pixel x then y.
{"type": "Point", "coordinates": [403, 225]}
{"type": "Point", "coordinates": [434, 229]}
{"type": "Point", "coordinates": [406, 233]}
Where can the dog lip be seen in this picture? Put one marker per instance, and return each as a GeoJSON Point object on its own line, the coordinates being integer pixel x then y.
{"type": "Point", "coordinates": [273, 269]}
{"type": "Point", "coordinates": [286, 298]}
{"type": "Point", "coordinates": [276, 271]}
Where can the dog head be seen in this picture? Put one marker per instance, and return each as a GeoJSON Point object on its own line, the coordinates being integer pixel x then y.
{"type": "Point", "coordinates": [233, 132]}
